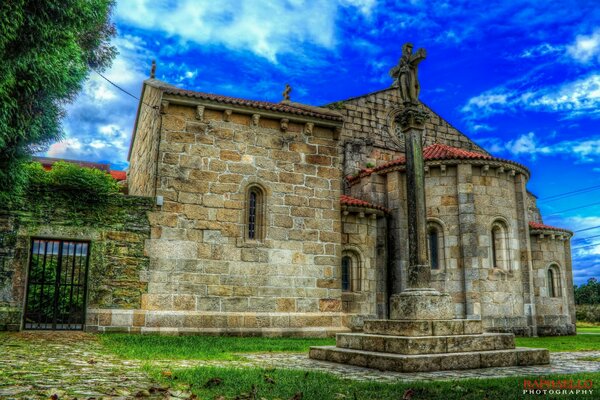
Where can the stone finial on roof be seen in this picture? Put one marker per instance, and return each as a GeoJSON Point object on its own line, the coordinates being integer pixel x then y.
{"type": "Point", "coordinates": [286, 92]}
{"type": "Point", "coordinates": [153, 70]}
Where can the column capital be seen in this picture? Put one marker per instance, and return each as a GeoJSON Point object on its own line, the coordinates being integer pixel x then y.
{"type": "Point", "coordinates": [412, 117]}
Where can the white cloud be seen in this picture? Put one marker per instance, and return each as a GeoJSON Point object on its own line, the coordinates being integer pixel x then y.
{"type": "Point", "coordinates": [586, 48]}
{"type": "Point", "coordinates": [583, 150]}
{"type": "Point", "coordinates": [98, 124]}
{"type": "Point", "coordinates": [264, 28]}
{"type": "Point", "coordinates": [573, 99]}
{"type": "Point", "coordinates": [541, 50]}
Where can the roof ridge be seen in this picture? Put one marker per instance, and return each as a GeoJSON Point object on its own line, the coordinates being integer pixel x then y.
{"type": "Point", "coordinates": [290, 107]}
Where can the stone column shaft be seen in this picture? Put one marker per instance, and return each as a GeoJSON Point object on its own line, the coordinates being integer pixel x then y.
{"type": "Point", "coordinates": [419, 271]}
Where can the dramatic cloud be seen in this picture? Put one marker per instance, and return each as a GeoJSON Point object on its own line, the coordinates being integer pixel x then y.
{"type": "Point", "coordinates": [99, 123]}
{"type": "Point", "coordinates": [585, 150]}
{"type": "Point", "coordinates": [586, 48]}
{"type": "Point", "coordinates": [570, 99]}
{"type": "Point", "coordinates": [265, 28]}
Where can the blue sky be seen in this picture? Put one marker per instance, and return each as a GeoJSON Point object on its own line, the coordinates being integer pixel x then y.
{"type": "Point", "coordinates": [521, 78]}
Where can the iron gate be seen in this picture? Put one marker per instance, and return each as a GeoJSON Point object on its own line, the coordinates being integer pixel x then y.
{"type": "Point", "coordinates": [57, 285]}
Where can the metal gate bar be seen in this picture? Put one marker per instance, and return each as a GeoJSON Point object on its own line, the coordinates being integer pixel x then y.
{"type": "Point", "coordinates": [57, 285]}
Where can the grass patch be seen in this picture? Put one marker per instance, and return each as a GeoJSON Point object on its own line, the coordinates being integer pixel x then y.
{"type": "Point", "coordinates": [152, 347]}
{"type": "Point", "coordinates": [597, 359]}
{"type": "Point", "coordinates": [591, 329]}
{"type": "Point", "coordinates": [562, 343]}
{"type": "Point", "coordinates": [582, 324]}
{"type": "Point", "coordinates": [254, 383]}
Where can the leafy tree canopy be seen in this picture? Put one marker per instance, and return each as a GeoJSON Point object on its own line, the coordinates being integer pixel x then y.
{"type": "Point", "coordinates": [588, 293]}
{"type": "Point", "coordinates": [47, 48]}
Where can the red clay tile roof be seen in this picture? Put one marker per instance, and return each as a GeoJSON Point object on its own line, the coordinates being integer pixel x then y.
{"type": "Point", "coordinates": [538, 226]}
{"type": "Point", "coordinates": [288, 107]}
{"type": "Point", "coordinates": [354, 202]}
{"type": "Point", "coordinates": [434, 152]}
{"type": "Point", "coordinates": [47, 163]}
{"type": "Point", "coordinates": [439, 151]}
{"type": "Point", "coordinates": [119, 175]}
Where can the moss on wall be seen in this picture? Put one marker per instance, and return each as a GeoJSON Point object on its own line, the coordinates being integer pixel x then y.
{"type": "Point", "coordinates": [116, 228]}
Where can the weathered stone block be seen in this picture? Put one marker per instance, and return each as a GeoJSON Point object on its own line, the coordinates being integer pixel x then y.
{"type": "Point", "coordinates": [421, 305]}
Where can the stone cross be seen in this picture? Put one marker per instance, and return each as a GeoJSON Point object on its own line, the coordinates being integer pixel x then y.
{"type": "Point", "coordinates": [418, 301]}
{"type": "Point", "coordinates": [153, 70]}
{"type": "Point", "coordinates": [286, 92]}
{"type": "Point", "coordinates": [406, 74]}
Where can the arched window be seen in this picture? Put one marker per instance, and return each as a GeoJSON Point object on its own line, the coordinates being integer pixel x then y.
{"type": "Point", "coordinates": [346, 273]}
{"type": "Point", "coordinates": [351, 271]}
{"type": "Point", "coordinates": [435, 242]}
{"type": "Point", "coordinates": [255, 214]}
{"type": "Point", "coordinates": [499, 243]}
{"type": "Point", "coordinates": [554, 286]}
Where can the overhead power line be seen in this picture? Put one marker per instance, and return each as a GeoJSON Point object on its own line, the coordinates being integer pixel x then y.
{"type": "Point", "coordinates": [588, 229]}
{"type": "Point", "coordinates": [586, 246]}
{"type": "Point", "coordinates": [575, 208]}
{"type": "Point", "coordinates": [586, 238]}
{"type": "Point", "coordinates": [123, 90]}
{"type": "Point", "coordinates": [561, 196]}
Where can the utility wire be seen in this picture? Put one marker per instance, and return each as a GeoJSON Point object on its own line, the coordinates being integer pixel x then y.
{"type": "Point", "coordinates": [586, 246]}
{"type": "Point", "coordinates": [586, 238]}
{"type": "Point", "coordinates": [123, 90]}
{"type": "Point", "coordinates": [561, 196]}
{"type": "Point", "coordinates": [588, 229]}
{"type": "Point", "coordinates": [574, 208]}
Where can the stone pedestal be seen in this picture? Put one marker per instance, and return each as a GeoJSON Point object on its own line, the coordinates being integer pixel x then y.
{"type": "Point", "coordinates": [427, 345]}
{"type": "Point", "coordinates": [421, 305]}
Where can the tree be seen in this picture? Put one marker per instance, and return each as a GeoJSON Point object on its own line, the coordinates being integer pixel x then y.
{"type": "Point", "coordinates": [588, 293]}
{"type": "Point", "coordinates": [47, 48]}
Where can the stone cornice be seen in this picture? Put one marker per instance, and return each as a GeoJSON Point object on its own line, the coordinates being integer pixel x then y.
{"type": "Point", "coordinates": [247, 109]}
{"type": "Point", "coordinates": [492, 164]}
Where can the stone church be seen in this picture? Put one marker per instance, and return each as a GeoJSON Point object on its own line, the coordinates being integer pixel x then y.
{"type": "Point", "coordinates": [287, 219]}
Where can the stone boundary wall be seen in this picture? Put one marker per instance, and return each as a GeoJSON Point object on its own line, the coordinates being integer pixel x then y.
{"type": "Point", "coordinates": [117, 231]}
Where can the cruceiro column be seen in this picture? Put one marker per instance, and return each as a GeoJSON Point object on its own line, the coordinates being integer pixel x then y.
{"type": "Point", "coordinates": [418, 300]}
{"type": "Point", "coordinates": [422, 333]}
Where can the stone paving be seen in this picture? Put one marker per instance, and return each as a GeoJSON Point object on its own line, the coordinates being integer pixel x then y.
{"type": "Point", "coordinates": [560, 363]}
{"type": "Point", "coordinates": [71, 365]}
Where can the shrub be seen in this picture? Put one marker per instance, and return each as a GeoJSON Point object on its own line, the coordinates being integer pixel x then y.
{"type": "Point", "coordinates": [588, 312]}
{"type": "Point", "coordinates": [85, 184]}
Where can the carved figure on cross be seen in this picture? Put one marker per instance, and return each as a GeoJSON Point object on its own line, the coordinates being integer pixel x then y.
{"type": "Point", "coordinates": [286, 92]}
{"type": "Point", "coordinates": [406, 74]}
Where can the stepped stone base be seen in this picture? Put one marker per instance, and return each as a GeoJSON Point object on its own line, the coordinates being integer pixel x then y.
{"type": "Point", "coordinates": [427, 345]}
{"type": "Point", "coordinates": [431, 362]}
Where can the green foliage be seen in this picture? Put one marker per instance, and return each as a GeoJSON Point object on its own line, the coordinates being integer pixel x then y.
{"type": "Point", "coordinates": [152, 347]}
{"type": "Point", "coordinates": [370, 165]}
{"type": "Point", "coordinates": [47, 48]}
{"type": "Point", "coordinates": [338, 105]}
{"type": "Point", "coordinates": [588, 312]}
{"type": "Point", "coordinates": [85, 184]}
{"type": "Point", "coordinates": [588, 293]}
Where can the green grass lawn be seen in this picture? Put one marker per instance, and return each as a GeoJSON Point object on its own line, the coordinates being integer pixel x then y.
{"type": "Point", "coordinates": [152, 347]}
{"type": "Point", "coordinates": [257, 383]}
{"type": "Point", "coordinates": [562, 343]}
{"type": "Point", "coordinates": [591, 329]}
{"type": "Point", "coordinates": [149, 347]}
{"type": "Point", "coordinates": [235, 383]}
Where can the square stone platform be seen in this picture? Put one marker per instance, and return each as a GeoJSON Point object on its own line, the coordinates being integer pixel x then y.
{"type": "Point", "coordinates": [428, 345]}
